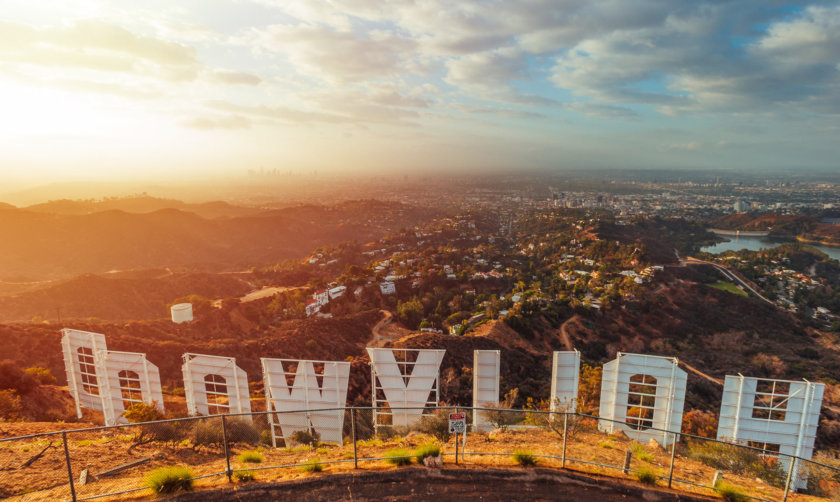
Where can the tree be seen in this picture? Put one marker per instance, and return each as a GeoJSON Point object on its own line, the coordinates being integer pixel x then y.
{"type": "Point", "coordinates": [410, 313]}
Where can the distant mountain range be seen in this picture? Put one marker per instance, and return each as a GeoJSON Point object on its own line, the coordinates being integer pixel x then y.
{"type": "Point", "coordinates": [59, 240]}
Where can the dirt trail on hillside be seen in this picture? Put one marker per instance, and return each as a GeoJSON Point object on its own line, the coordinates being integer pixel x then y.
{"type": "Point", "coordinates": [699, 373]}
{"type": "Point", "coordinates": [379, 337]}
{"type": "Point", "coordinates": [564, 334]}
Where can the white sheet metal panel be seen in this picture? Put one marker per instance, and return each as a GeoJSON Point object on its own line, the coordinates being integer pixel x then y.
{"type": "Point", "coordinates": [486, 367]}
{"type": "Point", "coordinates": [306, 394]}
{"type": "Point", "coordinates": [84, 376]}
{"type": "Point", "coordinates": [198, 366]}
{"type": "Point", "coordinates": [565, 376]}
{"type": "Point", "coordinates": [404, 384]}
{"type": "Point", "coordinates": [668, 404]}
{"type": "Point", "coordinates": [795, 434]}
{"type": "Point", "coordinates": [142, 376]}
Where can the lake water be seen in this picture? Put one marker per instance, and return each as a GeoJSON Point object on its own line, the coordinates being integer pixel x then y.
{"type": "Point", "coordinates": [755, 243]}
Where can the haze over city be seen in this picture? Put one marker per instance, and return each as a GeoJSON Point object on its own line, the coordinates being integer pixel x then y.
{"type": "Point", "coordinates": [95, 89]}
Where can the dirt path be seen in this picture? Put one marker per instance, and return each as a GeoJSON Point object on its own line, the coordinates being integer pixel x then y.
{"type": "Point", "coordinates": [564, 334]}
{"type": "Point", "coordinates": [699, 373]}
{"type": "Point", "coordinates": [379, 338]}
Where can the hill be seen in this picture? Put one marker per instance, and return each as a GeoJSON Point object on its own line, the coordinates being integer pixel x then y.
{"type": "Point", "coordinates": [139, 204]}
{"type": "Point", "coordinates": [39, 246]}
{"type": "Point", "coordinates": [801, 227]}
{"type": "Point", "coordinates": [118, 297]}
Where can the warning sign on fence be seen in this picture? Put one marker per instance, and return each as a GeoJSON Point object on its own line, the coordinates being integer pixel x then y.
{"type": "Point", "coordinates": [457, 423]}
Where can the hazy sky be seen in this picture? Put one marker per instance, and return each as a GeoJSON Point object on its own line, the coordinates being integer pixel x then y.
{"type": "Point", "coordinates": [161, 87]}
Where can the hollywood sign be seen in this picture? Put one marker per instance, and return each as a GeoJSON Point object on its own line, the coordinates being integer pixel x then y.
{"type": "Point", "coordinates": [641, 395]}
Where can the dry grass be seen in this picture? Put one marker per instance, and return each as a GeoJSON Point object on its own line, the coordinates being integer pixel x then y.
{"type": "Point", "coordinates": [46, 479]}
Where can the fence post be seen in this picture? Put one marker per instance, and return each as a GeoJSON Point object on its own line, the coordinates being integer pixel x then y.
{"type": "Point", "coordinates": [673, 456]}
{"type": "Point", "coordinates": [456, 442]}
{"type": "Point", "coordinates": [69, 467]}
{"type": "Point", "coordinates": [353, 432]}
{"type": "Point", "coordinates": [227, 452]}
{"type": "Point", "coordinates": [789, 478]}
{"type": "Point", "coordinates": [565, 431]}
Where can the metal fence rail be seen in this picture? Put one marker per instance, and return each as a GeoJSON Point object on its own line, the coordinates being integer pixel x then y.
{"type": "Point", "coordinates": [111, 462]}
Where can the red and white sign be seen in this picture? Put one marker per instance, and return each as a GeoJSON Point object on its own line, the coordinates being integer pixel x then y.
{"type": "Point", "coordinates": [457, 423]}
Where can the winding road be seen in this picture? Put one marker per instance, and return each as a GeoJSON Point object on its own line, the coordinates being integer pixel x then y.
{"type": "Point", "coordinates": [728, 274]}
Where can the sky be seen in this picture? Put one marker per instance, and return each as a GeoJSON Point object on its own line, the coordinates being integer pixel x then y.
{"type": "Point", "coordinates": [119, 89]}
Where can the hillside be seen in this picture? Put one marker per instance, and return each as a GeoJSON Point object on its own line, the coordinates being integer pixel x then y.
{"type": "Point", "coordinates": [139, 204]}
{"type": "Point", "coordinates": [118, 297]}
{"type": "Point", "coordinates": [802, 227]}
{"type": "Point", "coordinates": [39, 246]}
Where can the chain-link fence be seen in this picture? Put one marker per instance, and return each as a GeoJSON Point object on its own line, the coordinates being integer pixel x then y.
{"type": "Point", "coordinates": [114, 462]}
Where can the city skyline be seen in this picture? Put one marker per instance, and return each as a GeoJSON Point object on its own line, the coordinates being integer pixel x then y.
{"type": "Point", "coordinates": [99, 90]}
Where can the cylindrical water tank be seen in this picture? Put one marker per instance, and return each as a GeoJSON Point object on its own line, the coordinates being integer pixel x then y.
{"type": "Point", "coordinates": [181, 312]}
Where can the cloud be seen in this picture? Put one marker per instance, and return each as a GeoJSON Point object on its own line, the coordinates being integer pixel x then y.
{"type": "Point", "coordinates": [221, 122]}
{"type": "Point", "coordinates": [234, 77]}
{"type": "Point", "coordinates": [98, 46]}
{"type": "Point", "coordinates": [279, 113]}
{"type": "Point", "coordinates": [337, 55]}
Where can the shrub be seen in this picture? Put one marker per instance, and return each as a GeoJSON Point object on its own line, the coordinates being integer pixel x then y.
{"type": "Point", "coordinates": [427, 450]}
{"type": "Point", "coordinates": [606, 444]}
{"type": "Point", "coordinates": [398, 456]}
{"type": "Point", "coordinates": [314, 465]}
{"type": "Point", "coordinates": [168, 480]}
{"type": "Point", "coordinates": [642, 454]}
{"type": "Point", "coordinates": [209, 432]}
{"type": "Point", "coordinates": [436, 424]}
{"type": "Point", "coordinates": [241, 430]}
{"type": "Point", "coordinates": [12, 377]}
{"type": "Point", "coordinates": [10, 405]}
{"type": "Point", "coordinates": [244, 476]}
{"type": "Point", "coordinates": [502, 419]}
{"type": "Point", "coordinates": [309, 438]}
{"type": "Point", "coordinates": [142, 412]}
{"type": "Point", "coordinates": [730, 492]}
{"type": "Point", "coordinates": [253, 457]}
{"type": "Point", "coordinates": [646, 476]}
{"type": "Point", "coordinates": [700, 423]}
{"type": "Point", "coordinates": [737, 460]}
{"type": "Point", "coordinates": [525, 458]}
{"type": "Point", "coordinates": [41, 374]}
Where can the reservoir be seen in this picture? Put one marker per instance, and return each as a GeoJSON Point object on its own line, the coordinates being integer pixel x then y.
{"type": "Point", "coordinates": [754, 243]}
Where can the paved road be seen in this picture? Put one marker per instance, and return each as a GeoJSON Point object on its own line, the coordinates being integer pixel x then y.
{"type": "Point", "coordinates": [728, 274]}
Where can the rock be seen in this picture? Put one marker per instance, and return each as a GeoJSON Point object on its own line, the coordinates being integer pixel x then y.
{"type": "Point", "coordinates": [619, 434]}
{"type": "Point", "coordinates": [433, 462]}
{"type": "Point", "coordinates": [653, 443]}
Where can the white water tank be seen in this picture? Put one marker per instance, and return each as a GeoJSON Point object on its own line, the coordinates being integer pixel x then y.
{"type": "Point", "coordinates": [181, 312]}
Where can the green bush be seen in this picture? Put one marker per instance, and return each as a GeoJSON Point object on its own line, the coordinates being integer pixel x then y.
{"type": "Point", "coordinates": [730, 492]}
{"type": "Point", "coordinates": [314, 465]}
{"type": "Point", "coordinates": [244, 476]}
{"type": "Point", "coordinates": [647, 476]}
{"type": "Point", "coordinates": [427, 450]}
{"type": "Point", "coordinates": [642, 454]}
{"type": "Point", "coordinates": [253, 457]}
{"type": "Point", "coordinates": [168, 480]}
{"type": "Point", "coordinates": [398, 456]}
{"type": "Point", "coordinates": [525, 458]}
